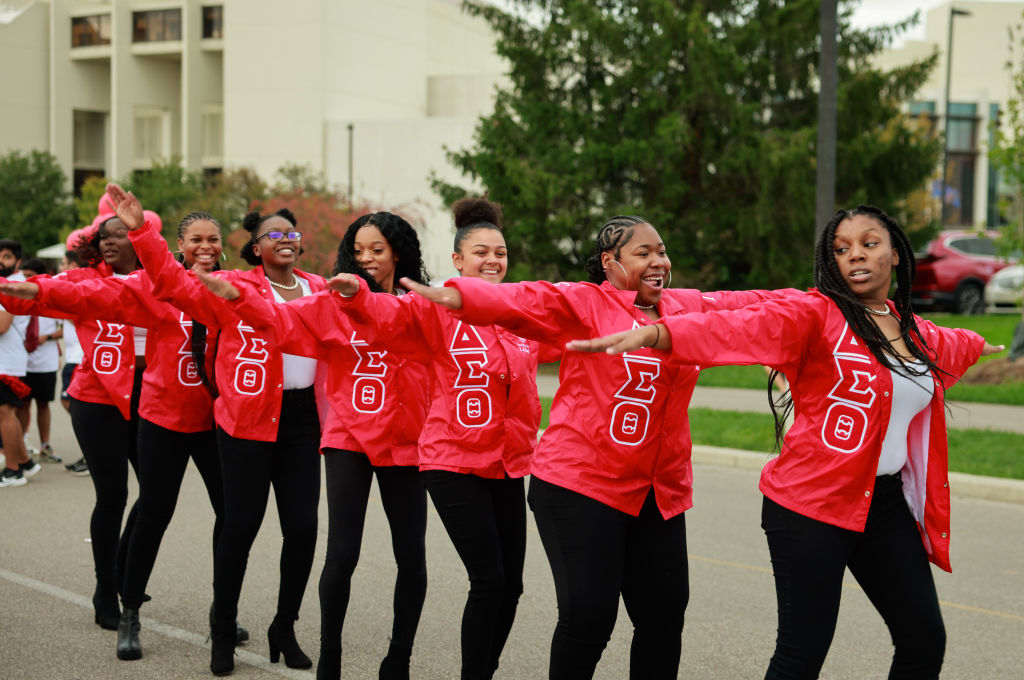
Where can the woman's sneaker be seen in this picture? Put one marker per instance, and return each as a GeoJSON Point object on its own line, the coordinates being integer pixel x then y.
{"type": "Point", "coordinates": [28, 469]}
{"type": "Point", "coordinates": [12, 478]}
{"type": "Point", "coordinates": [46, 455]}
{"type": "Point", "coordinates": [79, 468]}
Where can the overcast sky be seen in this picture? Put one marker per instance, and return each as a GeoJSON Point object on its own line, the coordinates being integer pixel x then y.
{"type": "Point", "coordinates": [874, 12]}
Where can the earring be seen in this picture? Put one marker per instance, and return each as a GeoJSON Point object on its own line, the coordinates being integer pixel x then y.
{"type": "Point", "coordinates": [669, 284]}
{"type": "Point", "coordinates": [223, 256]}
{"type": "Point", "coordinates": [624, 274]}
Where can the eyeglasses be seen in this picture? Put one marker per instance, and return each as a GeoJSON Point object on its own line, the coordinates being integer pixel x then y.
{"type": "Point", "coordinates": [278, 235]}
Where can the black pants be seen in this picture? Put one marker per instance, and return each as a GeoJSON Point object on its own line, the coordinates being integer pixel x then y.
{"type": "Point", "coordinates": [486, 521]}
{"type": "Point", "coordinates": [597, 553]}
{"type": "Point", "coordinates": [888, 560]}
{"type": "Point", "coordinates": [292, 465]}
{"type": "Point", "coordinates": [163, 457]}
{"type": "Point", "coordinates": [349, 474]}
{"type": "Point", "coordinates": [108, 442]}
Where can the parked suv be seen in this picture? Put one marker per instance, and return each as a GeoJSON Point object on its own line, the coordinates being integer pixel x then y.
{"type": "Point", "coordinates": [952, 271]}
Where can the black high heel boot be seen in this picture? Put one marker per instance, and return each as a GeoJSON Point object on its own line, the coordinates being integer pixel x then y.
{"type": "Point", "coordinates": [328, 666]}
{"type": "Point", "coordinates": [241, 634]}
{"type": "Point", "coordinates": [395, 665]}
{"type": "Point", "coordinates": [108, 613]}
{"type": "Point", "coordinates": [281, 637]}
{"type": "Point", "coordinates": [222, 650]}
{"type": "Point", "coordinates": [128, 646]}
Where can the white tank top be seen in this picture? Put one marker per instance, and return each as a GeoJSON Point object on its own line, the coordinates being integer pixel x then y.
{"type": "Point", "coordinates": [910, 395]}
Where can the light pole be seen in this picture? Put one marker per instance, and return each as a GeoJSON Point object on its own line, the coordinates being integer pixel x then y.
{"type": "Point", "coordinates": [828, 70]}
{"type": "Point", "coordinates": [953, 14]}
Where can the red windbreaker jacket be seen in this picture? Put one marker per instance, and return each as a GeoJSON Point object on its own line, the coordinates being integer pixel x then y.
{"type": "Point", "coordinates": [618, 425]}
{"type": "Point", "coordinates": [248, 364]}
{"type": "Point", "coordinates": [484, 409]}
{"type": "Point", "coordinates": [378, 398]}
{"type": "Point", "coordinates": [173, 395]}
{"type": "Point", "coordinates": [842, 401]}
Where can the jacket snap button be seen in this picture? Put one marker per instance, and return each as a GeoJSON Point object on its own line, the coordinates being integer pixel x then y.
{"type": "Point", "coordinates": [887, 394]}
{"type": "Point", "coordinates": [273, 420]}
{"type": "Point", "coordinates": [867, 494]}
{"type": "Point", "coordinates": [943, 534]}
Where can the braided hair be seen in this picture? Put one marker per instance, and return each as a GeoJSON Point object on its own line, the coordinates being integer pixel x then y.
{"type": "Point", "coordinates": [198, 346]}
{"type": "Point", "coordinates": [403, 240]}
{"type": "Point", "coordinates": [615, 233]}
{"type": "Point", "coordinates": [829, 281]}
{"type": "Point", "coordinates": [251, 223]}
{"type": "Point", "coordinates": [471, 214]}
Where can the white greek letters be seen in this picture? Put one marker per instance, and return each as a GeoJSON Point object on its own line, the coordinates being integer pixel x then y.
{"type": "Point", "coordinates": [472, 402]}
{"type": "Point", "coordinates": [106, 354]}
{"type": "Point", "coordinates": [846, 420]}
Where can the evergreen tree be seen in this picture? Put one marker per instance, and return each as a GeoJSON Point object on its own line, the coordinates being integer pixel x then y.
{"type": "Point", "coordinates": [34, 205]}
{"type": "Point", "coordinates": [699, 116]}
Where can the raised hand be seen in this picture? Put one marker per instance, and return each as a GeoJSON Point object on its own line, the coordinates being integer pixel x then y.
{"type": "Point", "coordinates": [219, 286]}
{"type": "Point", "coordinates": [655, 335]}
{"type": "Point", "coordinates": [129, 210]}
{"type": "Point", "coordinates": [988, 349]}
{"type": "Point", "coordinates": [345, 284]}
{"type": "Point", "coordinates": [444, 296]}
{"type": "Point", "coordinates": [24, 290]}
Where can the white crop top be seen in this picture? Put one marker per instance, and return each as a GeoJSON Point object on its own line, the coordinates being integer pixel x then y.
{"type": "Point", "coordinates": [910, 395]}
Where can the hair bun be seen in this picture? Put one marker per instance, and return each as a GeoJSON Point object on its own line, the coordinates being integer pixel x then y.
{"type": "Point", "coordinates": [251, 222]}
{"type": "Point", "coordinates": [468, 211]}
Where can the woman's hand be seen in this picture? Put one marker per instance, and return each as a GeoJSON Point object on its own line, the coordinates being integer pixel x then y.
{"type": "Point", "coordinates": [986, 350]}
{"type": "Point", "coordinates": [344, 284]}
{"type": "Point", "coordinates": [129, 210]}
{"type": "Point", "coordinates": [444, 296]}
{"type": "Point", "coordinates": [23, 290]}
{"type": "Point", "coordinates": [655, 336]}
{"type": "Point", "coordinates": [219, 286]}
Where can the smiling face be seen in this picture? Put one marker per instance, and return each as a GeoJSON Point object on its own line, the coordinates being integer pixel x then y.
{"type": "Point", "coordinates": [282, 253]}
{"type": "Point", "coordinates": [115, 248]}
{"type": "Point", "coordinates": [639, 264]}
{"type": "Point", "coordinates": [200, 245]}
{"type": "Point", "coordinates": [482, 254]}
{"type": "Point", "coordinates": [375, 255]}
{"type": "Point", "coordinates": [865, 255]}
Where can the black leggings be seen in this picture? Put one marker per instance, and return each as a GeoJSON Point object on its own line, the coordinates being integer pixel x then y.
{"type": "Point", "coordinates": [486, 521]}
{"type": "Point", "coordinates": [108, 442]}
{"type": "Point", "coordinates": [163, 457]}
{"type": "Point", "coordinates": [888, 560]}
{"type": "Point", "coordinates": [349, 475]}
{"type": "Point", "coordinates": [597, 552]}
{"type": "Point", "coordinates": [292, 465]}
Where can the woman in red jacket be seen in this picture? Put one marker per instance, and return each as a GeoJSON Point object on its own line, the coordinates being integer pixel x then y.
{"type": "Point", "coordinates": [378, 403]}
{"type": "Point", "coordinates": [179, 358]}
{"type": "Point", "coordinates": [268, 425]}
{"type": "Point", "coordinates": [861, 480]}
{"type": "Point", "coordinates": [480, 431]}
{"type": "Point", "coordinates": [611, 476]}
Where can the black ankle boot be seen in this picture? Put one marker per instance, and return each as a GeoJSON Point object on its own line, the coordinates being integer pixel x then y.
{"type": "Point", "coordinates": [222, 650]}
{"type": "Point", "coordinates": [241, 634]}
{"type": "Point", "coordinates": [328, 666]}
{"type": "Point", "coordinates": [108, 613]}
{"type": "Point", "coordinates": [128, 647]}
{"type": "Point", "coordinates": [395, 665]}
{"type": "Point", "coordinates": [281, 637]}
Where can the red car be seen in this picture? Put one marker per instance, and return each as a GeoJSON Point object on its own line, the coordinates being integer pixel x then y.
{"type": "Point", "coordinates": [953, 269]}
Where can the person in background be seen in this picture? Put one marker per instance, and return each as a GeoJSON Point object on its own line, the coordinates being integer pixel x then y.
{"type": "Point", "coordinates": [41, 372]}
{"type": "Point", "coordinates": [72, 353]}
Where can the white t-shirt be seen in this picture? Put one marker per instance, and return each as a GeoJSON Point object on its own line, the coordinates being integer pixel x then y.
{"type": "Point", "coordinates": [46, 357]}
{"type": "Point", "coordinates": [138, 332]}
{"type": "Point", "coordinates": [299, 372]}
{"type": "Point", "coordinates": [910, 395]}
{"type": "Point", "coordinates": [13, 355]}
{"type": "Point", "coordinates": [73, 353]}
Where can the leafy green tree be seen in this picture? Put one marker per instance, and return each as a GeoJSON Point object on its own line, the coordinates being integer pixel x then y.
{"type": "Point", "coordinates": [34, 205]}
{"type": "Point", "coordinates": [1007, 153]}
{"type": "Point", "coordinates": [699, 116]}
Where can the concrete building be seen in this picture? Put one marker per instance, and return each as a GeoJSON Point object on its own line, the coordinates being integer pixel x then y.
{"type": "Point", "coordinates": [108, 86]}
{"type": "Point", "coordinates": [980, 86]}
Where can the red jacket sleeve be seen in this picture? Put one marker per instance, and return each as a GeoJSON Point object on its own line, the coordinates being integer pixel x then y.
{"type": "Point", "coordinates": [107, 298]}
{"type": "Point", "coordinates": [390, 321]}
{"type": "Point", "coordinates": [305, 326]}
{"type": "Point", "coordinates": [956, 349]}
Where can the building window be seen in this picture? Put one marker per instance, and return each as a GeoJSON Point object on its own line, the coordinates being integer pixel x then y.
{"type": "Point", "coordinates": [90, 31]}
{"type": "Point", "coordinates": [213, 21]}
{"type": "Point", "coordinates": [156, 25]}
{"type": "Point", "coordinates": [213, 135]}
{"type": "Point", "coordinates": [962, 145]}
{"type": "Point", "coordinates": [152, 136]}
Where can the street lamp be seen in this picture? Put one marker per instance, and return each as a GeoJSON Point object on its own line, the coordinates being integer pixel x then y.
{"type": "Point", "coordinates": [953, 14]}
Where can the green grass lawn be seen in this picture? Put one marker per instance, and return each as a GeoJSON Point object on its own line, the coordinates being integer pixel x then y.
{"type": "Point", "coordinates": [976, 452]}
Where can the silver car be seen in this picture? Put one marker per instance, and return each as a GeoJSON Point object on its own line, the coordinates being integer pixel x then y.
{"type": "Point", "coordinates": [1003, 290]}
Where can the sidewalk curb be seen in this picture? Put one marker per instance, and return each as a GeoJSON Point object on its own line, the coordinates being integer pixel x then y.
{"type": "Point", "coordinates": [960, 484]}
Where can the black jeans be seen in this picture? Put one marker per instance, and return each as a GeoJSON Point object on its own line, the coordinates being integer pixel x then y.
{"type": "Point", "coordinates": [486, 521]}
{"type": "Point", "coordinates": [349, 475]}
{"type": "Point", "coordinates": [292, 465]}
{"type": "Point", "coordinates": [108, 443]}
{"type": "Point", "coordinates": [597, 553]}
{"type": "Point", "coordinates": [163, 457]}
{"type": "Point", "coordinates": [889, 562]}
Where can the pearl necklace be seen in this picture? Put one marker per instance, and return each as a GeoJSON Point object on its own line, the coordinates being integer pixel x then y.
{"type": "Point", "coordinates": [884, 312]}
{"type": "Point", "coordinates": [644, 306]}
{"type": "Point", "coordinates": [295, 283]}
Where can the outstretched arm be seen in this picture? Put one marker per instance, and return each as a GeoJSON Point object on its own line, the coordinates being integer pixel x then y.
{"type": "Point", "coordinates": [444, 296]}
{"type": "Point", "coordinates": [991, 349]}
{"type": "Point", "coordinates": [655, 336]}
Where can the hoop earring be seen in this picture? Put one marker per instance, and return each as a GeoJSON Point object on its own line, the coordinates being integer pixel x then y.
{"type": "Point", "coordinates": [624, 274]}
{"type": "Point", "coordinates": [223, 256]}
{"type": "Point", "coordinates": [669, 284]}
